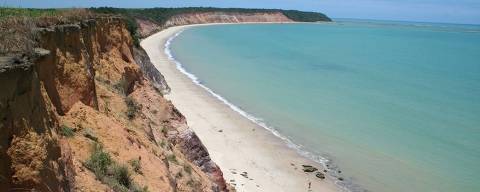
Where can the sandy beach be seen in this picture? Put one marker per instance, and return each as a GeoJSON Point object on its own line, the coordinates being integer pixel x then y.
{"type": "Point", "coordinates": [235, 143]}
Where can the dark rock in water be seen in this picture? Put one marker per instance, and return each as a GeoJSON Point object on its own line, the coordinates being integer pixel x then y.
{"type": "Point", "coordinates": [340, 178]}
{"type": "Point", "coordinates": [339, 171]}
{"type": "Point", "coordinates": [320, 175]}
{"type": "Point", "coordinates": [309, 168]}
{"type": "Point", "coordinates": [220, 130]}
{"type": "Point", "coordinates": [325, 170]}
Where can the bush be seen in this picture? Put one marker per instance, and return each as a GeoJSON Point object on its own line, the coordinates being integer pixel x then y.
{"type": "Point", "coordinates": [190, 183]}
{"type": "Point", "coordinates": [162, 144]}
{"type": "Point", "coordinates": [187, 168]}
{"type": "Point", "coordinates": [67, 131]}
{"type": "Point", "coordinates": [116, 176]}
{"type": "Point", "coordinates": [121, 86]}
{"type": "Point", "coordinates": [172, 158]}
{"type": "Point", "coordinates": [179, 175]}
{"type": "Point", "coordinates": [137, 167]}
{"type": "Point", "coordinates": [122, 175]}
{"type": "Point", "coordinates": [99, 161]}
{"type": "Point", "coordinates": [132, 107]}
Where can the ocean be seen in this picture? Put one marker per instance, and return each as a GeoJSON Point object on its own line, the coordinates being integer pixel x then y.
{"type": "Point", "coordinates": [388, 106]}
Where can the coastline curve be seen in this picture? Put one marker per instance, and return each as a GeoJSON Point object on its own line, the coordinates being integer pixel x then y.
{"type": "Point", "coordinates": [326, 163]}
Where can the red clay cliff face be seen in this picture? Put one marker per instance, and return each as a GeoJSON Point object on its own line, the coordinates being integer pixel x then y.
{"type": "Point", "coordinates": [87, 78]}
{"type": "Point", "coordinates": [77, 53]}
{"type": "Point", "coordinates": [223, 17]}
{"type": "Point", "coordinates": [31, 157]}
{"type": "Point", "coordinates": [147, 28]}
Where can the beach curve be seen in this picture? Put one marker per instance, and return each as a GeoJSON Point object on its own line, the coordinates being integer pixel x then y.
{"type": "Point", "coordinates": [232, 139]}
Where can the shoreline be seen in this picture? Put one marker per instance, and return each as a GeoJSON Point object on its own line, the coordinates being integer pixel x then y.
{"type": "Point", "coordinates": [231, 138]}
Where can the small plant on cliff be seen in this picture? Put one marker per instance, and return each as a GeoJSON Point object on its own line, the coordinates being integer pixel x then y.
{"type": "Point", "coordinates": [172, 158]}
{"type": "Point", "coordinates": [162, 144]}
{"type": "Point", "coordinates": [121, 85]}
{"type": "Point", "coordinates": [132, 27]}
{"type": "Point", "coordinates": [137, 167]}
{"type": "Point", "coordinates": [179, 175]}
{"type": "Point", "coordinates": [122, 175]}
{"type": "Point", "coordinates": [109, 172]}
{"type": "Point", "coordinates": [132, 107]}
{"type": "Point", "coordinates": [187, 168]}
{"type": "Point", "coordinates": [190, 182]}
{"type": "Point", "coordinates": [99, 161]}
{"type": "Point", "coordinates": [67, 131]}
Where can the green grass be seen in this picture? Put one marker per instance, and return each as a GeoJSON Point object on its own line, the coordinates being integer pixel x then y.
{"type": "Point", "coordinates": [67, 131]}
{"type": "Point", "coordinates": [116, 176]}
{"type": "Point", "coordinates": [27, 12]}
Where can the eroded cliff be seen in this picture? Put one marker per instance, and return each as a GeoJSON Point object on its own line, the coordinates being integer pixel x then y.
{"type": "Point", "coordinates": [86, 113]}
{"type": "Point", "coordinates": [148, 27]}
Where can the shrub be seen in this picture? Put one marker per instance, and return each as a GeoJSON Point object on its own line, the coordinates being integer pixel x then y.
{"type": "Point", "coordinates": [179, 175]}
{"type": "Point", "coordinates": [67, 131]}
{"type": "Point", "coordinates": [116, 176]}
{"type": "Point", "coordinates": [121, 85]}
{"type": "Point", "coordinates": [99, 161]}
{"type": "Point", "coordinates": [190, 183]}
{"type": "Point", "coordinates": [162, 144]}
{"type": "Point", "coordinates": [172, 158]}
{"type": "Point", "coordinates": [164, 130]}
{"type": "Point", "coordinates": [122, 175]}
{"type": "Point", "coordinates": [187, 168]}
{"type": "Point", "coordinates": [137, 167]}
{"type": "Point", "coordinates": [132, 107]}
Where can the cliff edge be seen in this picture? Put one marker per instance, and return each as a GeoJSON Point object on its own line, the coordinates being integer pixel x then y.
{"type": "Point", "coordinates": [79, 113]}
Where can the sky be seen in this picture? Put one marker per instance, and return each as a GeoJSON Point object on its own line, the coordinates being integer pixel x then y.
{"type": "Point", "coordinates": [444, 11]}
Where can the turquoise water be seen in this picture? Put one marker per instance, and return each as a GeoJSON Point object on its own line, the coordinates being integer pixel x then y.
{"type": "Point", "coordinates": [394, 105]}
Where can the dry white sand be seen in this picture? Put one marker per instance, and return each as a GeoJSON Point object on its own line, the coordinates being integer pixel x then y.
{"type": "Point", "coordinates": [241, 145]}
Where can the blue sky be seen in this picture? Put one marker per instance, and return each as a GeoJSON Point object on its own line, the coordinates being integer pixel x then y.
{"type": "Point", "coordinates": [449, 11]}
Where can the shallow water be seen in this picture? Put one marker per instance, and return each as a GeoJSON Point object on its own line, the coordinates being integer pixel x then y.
{"type": "Point", "coordinates": [395, 105]}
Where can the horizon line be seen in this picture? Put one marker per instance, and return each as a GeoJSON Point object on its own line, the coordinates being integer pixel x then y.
{"type": "Point", "coordinates": [333, 18]}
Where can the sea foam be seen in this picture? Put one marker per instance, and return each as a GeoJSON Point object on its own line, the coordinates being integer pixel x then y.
{"type": "Point", "coordinates": [345, 185]}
